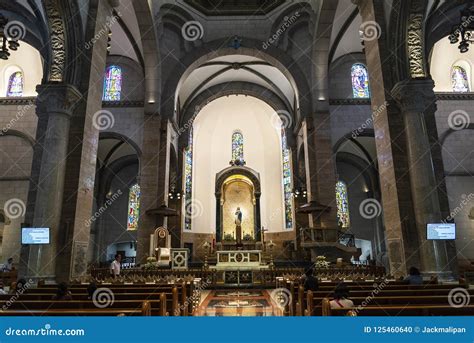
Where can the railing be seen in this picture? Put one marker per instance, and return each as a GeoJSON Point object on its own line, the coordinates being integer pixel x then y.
{"type": "Point", "coordinates": [314, 235]}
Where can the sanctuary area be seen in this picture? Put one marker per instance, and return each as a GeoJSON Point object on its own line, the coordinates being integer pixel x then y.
{"type": "Point", "coordinates": [236, 158]}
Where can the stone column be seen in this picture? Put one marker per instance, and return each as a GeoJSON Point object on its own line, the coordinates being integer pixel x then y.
{"type": "Point", "coordinates": [400, 232]}
{"type": "Point", "coordinates": [415, 98]}
{"type": "Point", "coordinates": [153, 179]}
{"type": "Point", "coordinates": [56, 101]}
{"type": "Point", "coordinates": [320, 172]}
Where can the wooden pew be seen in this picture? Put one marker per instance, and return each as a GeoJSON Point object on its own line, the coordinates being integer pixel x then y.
{"type": "Point", "coordinates": [307, 303]}
{"type": "Point", "coordinates": [143, 310]}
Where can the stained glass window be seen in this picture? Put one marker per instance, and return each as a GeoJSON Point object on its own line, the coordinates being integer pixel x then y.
{"type": "Point", "coordinates": [188, 180]}
{"type": "Point", "coordinates": [15, 85]}
{"type": "Point", "coordinates": [459, 80]}
{"type": "Point", "coordinates": [360, 81]}
{"type": "Point", "coordinates": [342, 204]}
{"type": "Point", "coordinates": [237, 146]}
{"type": "Point", "coordinates": [112, 83]}
{"type": "Point", "coordinates": [133, 207]}
{"type": "Point", "coordinates": [287, 187]}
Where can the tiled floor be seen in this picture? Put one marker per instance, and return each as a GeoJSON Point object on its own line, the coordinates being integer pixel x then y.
{"type": "Point", "coordinates": [238, 303]}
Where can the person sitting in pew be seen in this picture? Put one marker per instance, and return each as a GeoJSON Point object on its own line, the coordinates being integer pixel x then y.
{"type": "Point", "coordinates": [414, 277]}
{"type": "Point", "coordinates": [63, 292]}
{"type": "Point", "coordinates": [8, 267]}
{"type": "Point", "coordinates": [341, 297]}
{"type": "Point", "coordinates": [2, 291]}
{"type": "Point", "coordinates": [18, 286]}
{"type": "Point", "coordinates": [310, 282]}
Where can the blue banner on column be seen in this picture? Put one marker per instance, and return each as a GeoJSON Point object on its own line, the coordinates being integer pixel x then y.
{"type": "Point", "coordinates": [230, 330]}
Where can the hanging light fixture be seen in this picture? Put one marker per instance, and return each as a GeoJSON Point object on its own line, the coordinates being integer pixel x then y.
{"type": "Point", "coordinates": [10, 33]}
{"type": "Point", "coordinates": [461, 33]}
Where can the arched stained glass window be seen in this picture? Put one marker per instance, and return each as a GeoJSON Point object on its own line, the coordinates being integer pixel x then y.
{"type": "Point", "coordinates": [237, 146]}
{"type": "Point", "coordinates": [360, 81]}
{"type": "Point", "coordinates": [15, 85]}
{"type": "Point", "coordinates": [133, 207]}
{"type": "Point", "coordinates": [459, 80]}
{"type": "Point", "coordinates": [287, 186]}
{"type": "Point", "coordinates": [112, 84]}
{"type": "Point", "coordinates": [342, 204]}
{"type": "Point", "coordinates": [188, 181]}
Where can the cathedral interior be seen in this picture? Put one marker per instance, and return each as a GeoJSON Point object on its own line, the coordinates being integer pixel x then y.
{"type": "Point", "coordinates": [238, 142]}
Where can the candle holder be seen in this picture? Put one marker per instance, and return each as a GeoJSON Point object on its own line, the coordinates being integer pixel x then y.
{"type": "Point", "coordinates": [271, 245]}
{"type": "Point", "coordinates": [206, 246]}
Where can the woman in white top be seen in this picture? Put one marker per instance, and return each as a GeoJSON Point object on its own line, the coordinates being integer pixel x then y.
{"type": "Point", "coordinates": [341, 295]}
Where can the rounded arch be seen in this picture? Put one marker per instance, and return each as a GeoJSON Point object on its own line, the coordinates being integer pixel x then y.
{"type": "Point", "coordinates": [249, 173]}
{"type": "Point", "coordinates": [251, 47]}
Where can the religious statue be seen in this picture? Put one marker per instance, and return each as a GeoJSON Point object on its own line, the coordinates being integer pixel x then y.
{"type": "Point", "coordinates": [238, 226]}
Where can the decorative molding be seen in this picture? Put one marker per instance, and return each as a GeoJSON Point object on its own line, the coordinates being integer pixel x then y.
{"type": "Point", "coordinates": [57, 97]}
{"type": "Point", "coordinates": [415, 39]}
{"type": "Point", "coordinates": [18, 101]}
{"type": "Point", "coordinates": [350, 101]}
{"type": "Point", "coordinates": [57, 34]}
{"type": "Point", "coordinates": [454, 96]}
{"type": "Point", "coordinates": [124, 103]}
{"type": "Point", "coordinates": [414, 95]}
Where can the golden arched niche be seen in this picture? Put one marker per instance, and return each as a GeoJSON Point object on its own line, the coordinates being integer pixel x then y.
{"type": "Point", "coordinates": [238, 191]}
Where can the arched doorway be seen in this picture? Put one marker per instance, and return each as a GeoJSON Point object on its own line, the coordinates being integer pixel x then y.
{"type": "Point", "coordinates": [238, 187]}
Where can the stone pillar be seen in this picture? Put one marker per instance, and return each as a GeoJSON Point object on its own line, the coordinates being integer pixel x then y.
{"type": "Point", "coordinates": [320, 172]}
{"type": "Point", "coordinates": [415, 98]}
{"type": "Point", "coordinates": [56, 101]}
{"type": "Point", "coordinates": [86, 123]}
{"type": "Point", "coordinates": [154, 179]}
{"type": "Point", "coordinates": [400, 229]}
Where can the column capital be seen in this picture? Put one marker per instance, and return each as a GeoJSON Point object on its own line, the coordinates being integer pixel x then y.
{"type": "Point", "coordinates": [57, 97]}
{"type": "Point", "coordinates": [414, 95]}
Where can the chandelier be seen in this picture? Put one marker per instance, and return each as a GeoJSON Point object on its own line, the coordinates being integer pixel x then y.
{"type": "Point", "coordinates": [460, 33]}
{"type": "Point", "coordinates": [9, 36]}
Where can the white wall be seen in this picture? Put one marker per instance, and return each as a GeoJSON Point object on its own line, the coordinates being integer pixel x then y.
{"type": "Point", "coordinates": [213, 130]}
{"type": "Point", "coordinates": [443, 57]}
{"type": "Point", "coordinates": [27, 60]}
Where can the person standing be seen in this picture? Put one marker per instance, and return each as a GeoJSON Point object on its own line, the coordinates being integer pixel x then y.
{"type": "Point", "coordinates": [115, 266]}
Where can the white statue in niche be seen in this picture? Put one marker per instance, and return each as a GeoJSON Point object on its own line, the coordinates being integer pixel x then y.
{"type": "Point", "coordinates": [238, 226]}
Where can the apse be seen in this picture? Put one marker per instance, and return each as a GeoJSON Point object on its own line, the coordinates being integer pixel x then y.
{"type": "Point", "coordinates": [260, 129]}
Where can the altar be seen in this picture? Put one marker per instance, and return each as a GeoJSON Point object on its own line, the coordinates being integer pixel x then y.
{"type": "Point", "coordinates": [236, 268]}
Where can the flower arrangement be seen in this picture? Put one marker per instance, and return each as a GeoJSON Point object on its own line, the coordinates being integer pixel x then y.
{"type": "Point", "coordinates": [228, 237]}
{"type": "Point", "coordinates": [248, 237]}
{"type": "Point", "coordinates": [150, 263]}
{"type": "Point", "coordinates": [321, 262]}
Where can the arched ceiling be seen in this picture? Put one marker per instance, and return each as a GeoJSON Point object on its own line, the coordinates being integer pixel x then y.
{"type": "Point", "coordinates": [236, 68]}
